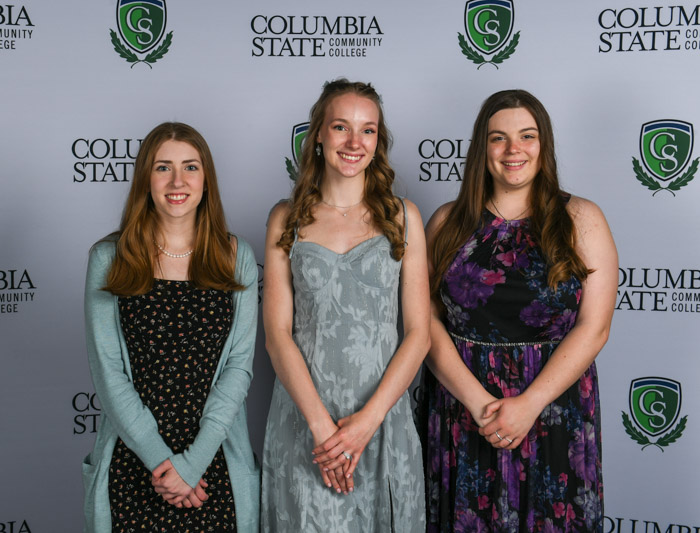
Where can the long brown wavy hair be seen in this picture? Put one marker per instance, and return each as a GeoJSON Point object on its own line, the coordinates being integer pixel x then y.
{"type": "Point", "coordinates": [383, 206]}
{"type": "Point", "coordinates": [551, 223]}
{"type": "Point", "coordinates": [212, 264]}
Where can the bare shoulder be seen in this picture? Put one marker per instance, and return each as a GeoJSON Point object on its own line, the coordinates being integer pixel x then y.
{"type": "Point", "coordinates": [277, 219]}
{"type": "Point", "coordinates": [438, 217]}
{"type": "Point", "coordinates": [279, 211]}
{"type": "Point", "coordinates": [587, 216]}
{"type": "Point", "coordinates": [412, 213]}
{"type": "Point", "coordinates": [594, 243]}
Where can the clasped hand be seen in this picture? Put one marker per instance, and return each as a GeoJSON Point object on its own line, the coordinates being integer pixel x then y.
{"type": "Point", "coordinates": [350, 437]}
{"type": "Point", "coordinates": [508, 421]}
{"type": "Point", "coordinates": [174, 490]}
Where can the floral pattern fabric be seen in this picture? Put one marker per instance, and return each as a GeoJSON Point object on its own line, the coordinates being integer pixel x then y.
{"type": "Point", "coordinates": [495, 293]}
{"type": "Point", "coordinates": [345, 325]}
{"type": "Point", "coordinates": [175, 334]}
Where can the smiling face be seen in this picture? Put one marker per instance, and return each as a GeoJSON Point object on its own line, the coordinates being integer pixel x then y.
{"type": "Point", "coordinates": [348, 135]}
{"type": "Point", "coordinates": [177, 181]}
{"type": "Point", "coordinates": [513, 149]}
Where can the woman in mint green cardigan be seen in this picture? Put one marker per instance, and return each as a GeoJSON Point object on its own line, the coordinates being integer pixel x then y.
{"type": "Point", "coordinates": [171, 316]}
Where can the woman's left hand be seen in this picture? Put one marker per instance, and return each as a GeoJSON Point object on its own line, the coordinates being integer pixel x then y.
{"type": "Point", "coordinates": [354, 432]}
{"type": "Point", "coordinates": [168, 483]}
{"type": "Point", "coordinates": [515, 416]}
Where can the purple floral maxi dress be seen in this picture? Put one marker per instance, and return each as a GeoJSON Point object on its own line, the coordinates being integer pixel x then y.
{"type": "Point", "coordinates": [506, 323]}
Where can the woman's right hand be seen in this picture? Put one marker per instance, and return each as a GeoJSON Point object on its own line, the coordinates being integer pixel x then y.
{"type": "Point", "coordinates": [336, 478]}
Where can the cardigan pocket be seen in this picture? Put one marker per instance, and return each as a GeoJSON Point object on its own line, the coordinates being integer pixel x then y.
{"type": "Point", "coordinates": [89, 481]}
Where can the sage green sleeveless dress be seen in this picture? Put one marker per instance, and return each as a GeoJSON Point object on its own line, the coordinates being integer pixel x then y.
{"type": "Point", "coordinates": [345, 324]}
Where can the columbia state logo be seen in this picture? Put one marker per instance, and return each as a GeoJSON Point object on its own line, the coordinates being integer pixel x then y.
{"type": "Point", "coordinates": [488, 25]}
{"type": "Point", "coordinates": [665, 147]}
{"type": "Point", "coordinates": [141, 25]}
{"type": "Point", "coordinates": [298, 135]}
{"type": "Point", "coordinates": [655, 404]}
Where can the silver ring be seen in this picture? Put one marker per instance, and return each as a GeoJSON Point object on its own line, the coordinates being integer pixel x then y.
{"type": "Point", "coordinates": [509, 440]}
{"type": "Point", "coordinates": [347, 456]}
{"type": "Point", "coordinates": [499, 437]}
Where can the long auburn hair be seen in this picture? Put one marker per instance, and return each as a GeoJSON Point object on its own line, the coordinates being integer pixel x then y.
{"type": "Point", "coordinates": [212, 264]}
{"type": "Point", "coordinates": [551, 223]}
{"type": "Point", "coordinates": [383, 206]}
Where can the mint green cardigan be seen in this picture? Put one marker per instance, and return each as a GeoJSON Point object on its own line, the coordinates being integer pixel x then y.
{"type": "Point", "coordinates": [223, 421]}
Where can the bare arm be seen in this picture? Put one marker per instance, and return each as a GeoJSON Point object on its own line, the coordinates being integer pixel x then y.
{"type": "Point", "coordinates": [443, 359]}
{"type": "Point", "coordinates": [357, 429]}
{"type": "Point", "coordinates": [287, 360]}
{"type": "Point", "coordinates": [581, 345]}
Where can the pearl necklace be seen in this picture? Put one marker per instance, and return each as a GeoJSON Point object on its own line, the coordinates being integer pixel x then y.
{"type": "Point", "coordinates": [504, 218]}
{"type": "Point", "coordinates": [170, 254]}
{"type": "Point", "coordinates": [337, 207]}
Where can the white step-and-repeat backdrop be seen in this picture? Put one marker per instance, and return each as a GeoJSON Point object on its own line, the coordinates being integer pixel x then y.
{"type": "Point", "coordinates": [79, 89]}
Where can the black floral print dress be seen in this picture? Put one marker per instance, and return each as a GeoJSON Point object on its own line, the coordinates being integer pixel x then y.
{"type": "Point", "coordinates": [175, 334]}
{"type": "Point", "coordinates": [506, 322]}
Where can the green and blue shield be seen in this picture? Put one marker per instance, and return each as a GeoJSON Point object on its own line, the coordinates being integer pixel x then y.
{"type": "Point", "coordinates": [141, 23]}
{"type": "Point", "coordinates": [655, 403]}
{"type": "Point", "coordinates": [666, 147]}
{"type": "Point", "coordinates": [298, 135]}
{"type": "Point", "coordinates": [488, 23]}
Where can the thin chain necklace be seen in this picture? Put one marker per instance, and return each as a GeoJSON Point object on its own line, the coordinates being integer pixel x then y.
{"type": "Point", "coordinates": [170, 254]}
{"type": "Point", "coordinates": [504, 218]}
{"type": "Point", "coordinates": [338, 207]}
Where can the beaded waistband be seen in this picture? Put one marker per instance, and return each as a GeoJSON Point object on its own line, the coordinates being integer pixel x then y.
{"type": "Point", "coordinates": [482, 343]}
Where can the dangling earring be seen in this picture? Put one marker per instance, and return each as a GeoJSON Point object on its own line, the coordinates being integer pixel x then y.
{"type": "Point", "coordinates": [318, 150]}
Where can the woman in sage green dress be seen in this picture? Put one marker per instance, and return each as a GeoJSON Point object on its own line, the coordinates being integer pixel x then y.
{"type": "Point", "coordinates": [341, 450]}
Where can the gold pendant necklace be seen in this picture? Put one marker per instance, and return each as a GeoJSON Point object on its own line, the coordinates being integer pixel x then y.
{"type": "Point", "coordinates": [339, 207]}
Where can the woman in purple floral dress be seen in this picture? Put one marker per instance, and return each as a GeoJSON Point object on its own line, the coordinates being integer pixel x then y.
{"type": "Point", "coordinates": [523, 278]}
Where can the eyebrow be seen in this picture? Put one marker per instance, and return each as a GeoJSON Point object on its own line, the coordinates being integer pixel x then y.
{"type": "Point", "coordinates": [370, 123]}
{"type": "Point", "coordinates": [521, 131]}
{"type": "Point", "coordinates": [170, 162]}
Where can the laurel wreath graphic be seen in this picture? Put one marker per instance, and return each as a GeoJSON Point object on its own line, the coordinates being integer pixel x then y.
{"type": "Point", "coordinates": [291, 169]}
{"type": "Point", "coordinates": [132, 58]}
{"type": "Point", "coordinates": [640, 438]}
{"type": "Point", "coordinates": [674, 185]}
{"type": "Point", "coordinates": [496, 60]}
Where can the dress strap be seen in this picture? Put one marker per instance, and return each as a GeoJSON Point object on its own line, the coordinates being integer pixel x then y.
{"type": "Point", "coordinates": [296, 237]}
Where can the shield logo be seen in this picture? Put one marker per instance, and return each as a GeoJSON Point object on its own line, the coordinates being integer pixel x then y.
{"type": "Point", "coordinates": [488, 23]}
{"type": "Point", "coordinates": [655, 403]}
{"type": "Point", "coordinates": [298, 135]}
{"type": "Point", "coordinates": [141, 23]}
{"type": "Point", "coordinates": [666, 147]}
